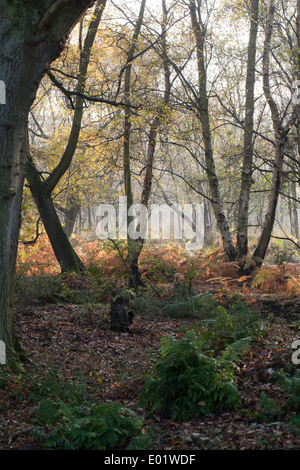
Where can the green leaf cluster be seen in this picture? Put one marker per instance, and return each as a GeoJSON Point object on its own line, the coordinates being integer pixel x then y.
{"type": "Point", "coordinates": [187, 382]}
{"type": "Point", "coordinates": [67, 418]}
{"type": "Point", "coordinates": [178, 305]}
{"type": "Point", "coordinates": [290, 385]}
{"type": "Point", "coordinates": [228, 330]}
{"type": "Point", "coordinates": [268, 410]}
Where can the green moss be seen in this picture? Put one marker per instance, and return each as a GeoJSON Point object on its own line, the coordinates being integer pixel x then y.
{"type": "Point", "coordinates": [21, 18]}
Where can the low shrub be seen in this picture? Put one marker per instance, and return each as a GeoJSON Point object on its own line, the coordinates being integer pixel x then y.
{"type": "Point", "coordinates": [187, 382]}
{"type": "Point", "coordinates": [39, 289]}
{"type": "Point", "coordinates": [268, 410]}
{"type": "Point", "coordinates": [67, 418]}
{"type": "Point", "coordinates": [180, 304]}
{"type": "Point", "coordinates": [224, 328]}
{"type": "Point", "coordinates": [290, 385]}
{"type": "Point", "coordinates": [281, 252]}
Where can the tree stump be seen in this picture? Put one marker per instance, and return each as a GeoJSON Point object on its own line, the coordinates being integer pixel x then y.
{"type": "Point", "coordinates": [121, 313]}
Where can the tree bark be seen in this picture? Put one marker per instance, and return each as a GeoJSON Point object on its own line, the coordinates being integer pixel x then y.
{"type": "Point", "coordinates": [243, 207]}
{"type": "Point", "coordinates": [31, 38]}
{"type": "Point", "coordinates": [63, 250]}
{"type": "Point", "coordinates": [261, 249]}
{"type": "Point", "coordinates": [137, 245]}
{"type": "Point", "coordinates": [131, 244]}
{"type": "Point", "coordinates": [296, 231]}
{"type": "Point", "coordinates": [71, 214]}
{"type": "Point", "coordinates": [204, 118]}
{"type": "Point", "coordinates": [281, 133]}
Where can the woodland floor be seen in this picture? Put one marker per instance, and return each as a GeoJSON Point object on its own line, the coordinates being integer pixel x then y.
{"type": "Point", "coordinates": [78, 338]}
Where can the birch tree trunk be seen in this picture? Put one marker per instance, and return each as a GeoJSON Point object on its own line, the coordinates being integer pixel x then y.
{"type": "Point", "coordinates": [204, 118]}
{"type": "Point", "coordinates": [243, 207]}
{"type": "Point", "coordinates": [281, 133]}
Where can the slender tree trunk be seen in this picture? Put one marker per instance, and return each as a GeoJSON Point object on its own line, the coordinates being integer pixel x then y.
{"type": "Point", "coordinates": [138, 244]}
{"type": "Point", "coordinates": [208, 236]}
{"type": "Point", "coordinates": [261, 249]}
{"type": "Point", "coordinates": [281, 133]}
{"type": "Point", "coordinates": [12, 162]}
{"type": "Point", "coordinates": [131, 244]}
{"type": "Point", "coordinates": [89, 217]}
{"type": "Point", "coordinates": [295, 212]}
{"type": "Point", "coordinates": [71, 215]}
{"type": "Point", "coordinates": [243, 207]}
{"type": "Point", "coordinates": [204, 118]}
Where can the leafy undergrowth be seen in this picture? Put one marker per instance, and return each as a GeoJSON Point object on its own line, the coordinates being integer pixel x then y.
{"type": "Point", "coordinates": [164, 263]}
{"type": "Point", "coordinates": [70, 332]}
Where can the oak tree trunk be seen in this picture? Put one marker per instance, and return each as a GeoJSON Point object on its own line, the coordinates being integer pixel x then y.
{"type": "Point", "coordinates": [31, 37]}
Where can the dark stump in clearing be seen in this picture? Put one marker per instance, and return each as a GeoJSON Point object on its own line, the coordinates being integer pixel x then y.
{"type": "Point", "coordinates": [121, 314]}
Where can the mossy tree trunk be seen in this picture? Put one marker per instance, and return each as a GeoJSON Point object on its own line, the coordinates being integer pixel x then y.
{"type": "Point", "coordinates": [63, 250]}
{"type": "Point", "coordinates": [32, 35]}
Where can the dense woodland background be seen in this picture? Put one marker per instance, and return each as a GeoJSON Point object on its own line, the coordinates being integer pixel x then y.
{"type": "Point", "coordinates": [143, 344]}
